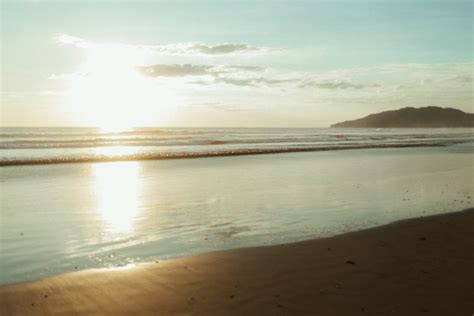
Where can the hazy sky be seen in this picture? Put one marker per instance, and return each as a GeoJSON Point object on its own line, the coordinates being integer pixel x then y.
{"type": "Point", "coordinates": [230, 63]}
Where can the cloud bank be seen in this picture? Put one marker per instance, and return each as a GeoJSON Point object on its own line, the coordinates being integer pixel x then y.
{"type": "Point", "coordinates": [220, 79]}
{"type": "Point", "coordinates": [244, 76]}
{"type": "Point", "coordinates": [177, 49]}
{"type": "Point", "coordinates": [338, 85]}
{"type": "Point", "coordinates": [183, 70]}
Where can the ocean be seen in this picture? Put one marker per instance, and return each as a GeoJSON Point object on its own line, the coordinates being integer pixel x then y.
{"type": "Point", "coordinates": [80, 198]}
{"type": "Point", "coordinates": [22, 146]}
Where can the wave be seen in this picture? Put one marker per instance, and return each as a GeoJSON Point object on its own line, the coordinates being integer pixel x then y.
{"type": "Point", "coordinates": [208, 154]}
{"type": "Point", "coordinates": [30, 146]}
{"type": "Point", "coordinates": [84, 132]}
{"type": "Point", "coordinates": [214, 140]}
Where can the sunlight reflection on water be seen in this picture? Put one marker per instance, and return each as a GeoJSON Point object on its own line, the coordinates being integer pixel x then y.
{"type": "Point", "coordinates": [118, 213]}
{"type": "Point", "coordinates": [118, 187]}
{"type": "Point", "coordinates": [115, 151]}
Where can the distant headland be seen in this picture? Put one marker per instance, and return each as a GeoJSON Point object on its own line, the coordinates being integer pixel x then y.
{"type": "Point", "coordinates": [425, 117]}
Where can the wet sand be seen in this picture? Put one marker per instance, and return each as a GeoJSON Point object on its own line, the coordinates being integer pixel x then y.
{"type": "Point", "coordinates": [421, 266]}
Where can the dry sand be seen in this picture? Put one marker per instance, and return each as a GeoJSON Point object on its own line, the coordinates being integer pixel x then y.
{"type": "Point", "coordinates": [420, 266]}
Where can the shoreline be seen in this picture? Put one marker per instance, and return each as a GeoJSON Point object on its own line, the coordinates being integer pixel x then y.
{"type": "Point", "coordinates": [216, 154]}
{"type": "Point", "coordinates": [409, 267]}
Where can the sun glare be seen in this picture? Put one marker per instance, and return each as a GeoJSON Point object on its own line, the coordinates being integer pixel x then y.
{"type": "Point", "coordinates": [111, 94]}
{"type": "Point", "coordinates": [117, 188]}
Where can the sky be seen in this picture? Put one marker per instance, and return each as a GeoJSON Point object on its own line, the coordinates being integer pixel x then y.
{"type": "Point", "coordinates": [230, 63]}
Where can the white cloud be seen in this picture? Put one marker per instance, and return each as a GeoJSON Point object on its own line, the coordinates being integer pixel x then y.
{"type": "Point", "coordinates": [177, 49]}
{"type": "Point", "coordinates": [381, 86]}
{"type": "Point", "coordinates": [200, 49]}
{"type": "Point", "coordinates": [67, 76]}
{"type": "Point", "coordinates": [66, 39]}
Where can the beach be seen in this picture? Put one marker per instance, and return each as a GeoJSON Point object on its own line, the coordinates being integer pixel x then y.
{"type": "Point", "coordinates": [329, 232]}
{"type": "Point", "coordinates": [236, 158]}
{"type": "Point", "coordinates": [68, 217]}
{"type": "Point", "coordinates": [421, 266]}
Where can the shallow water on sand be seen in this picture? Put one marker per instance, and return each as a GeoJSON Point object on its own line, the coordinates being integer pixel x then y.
{"type": "Point", "coordinates": [67, 217]}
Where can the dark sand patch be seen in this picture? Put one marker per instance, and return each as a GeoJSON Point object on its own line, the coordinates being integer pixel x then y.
{"type": "Point", "coordinates": [421, 266]}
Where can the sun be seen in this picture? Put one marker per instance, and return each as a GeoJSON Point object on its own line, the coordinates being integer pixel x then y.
{"type": "Point", "coordinates": [111, 94]}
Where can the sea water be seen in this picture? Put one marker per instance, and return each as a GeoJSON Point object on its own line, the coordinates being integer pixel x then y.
{"type": "Point", "coordinates": [63, 217]}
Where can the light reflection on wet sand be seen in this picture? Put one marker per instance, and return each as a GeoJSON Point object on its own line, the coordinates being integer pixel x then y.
{"type": "Point", "coordinates": [118, 187]}
{"type": "Point", "coordinates": [59, 217]}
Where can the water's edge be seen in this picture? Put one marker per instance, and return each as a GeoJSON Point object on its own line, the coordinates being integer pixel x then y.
{"type": "Point", "coordinates": [191, 155]}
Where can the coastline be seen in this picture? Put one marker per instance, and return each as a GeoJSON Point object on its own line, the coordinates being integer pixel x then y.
{"type": "Point", "coordinates": [410, 267]}
{"type": "Point", "coordinates": [212, 154]}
